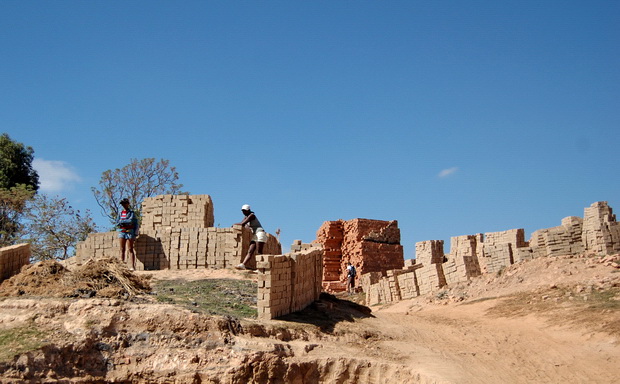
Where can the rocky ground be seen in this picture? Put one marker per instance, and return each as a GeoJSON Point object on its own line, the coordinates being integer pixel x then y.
{"type": "Point", "coordinates": [554, 320]}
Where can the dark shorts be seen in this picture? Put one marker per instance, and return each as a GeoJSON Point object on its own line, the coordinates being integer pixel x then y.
{"type": "Point", "coordinates": [126, 235]}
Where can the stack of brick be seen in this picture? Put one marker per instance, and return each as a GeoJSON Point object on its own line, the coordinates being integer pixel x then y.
{"type": "Point", "coordinates": [430, 257]}
{"type": "Point", "coordinates": [13, 258]}
{"type": "Point", "coordinates": [394, 286]}
{"type": "Point", "coordinates": [177, 233]}
{"type": "Point", "coordinates": [330, 235]}
{"type": "Point", "coordinates": [471, 255]}
{"type": "Point", "coordinates": [408, 283]}
{"type": "Point", "coordinates": [288, 283]}
{"type": "Point", "coordinates": [601, 231]}
{"type": "Point", "coordinates": [557, 241]}
{"type": "Point", "coordinates": [177, 211]}
{"type": "Point", "coordinates": [462, 263]}
{"type": "Point", "coordinates": [371, 246]}
{"type": "Point", "coordinates": [298, 246]}
{"type": "Point", "coordinates": [177, 248]}
{"type": "Point", "coordinates": [499, 248]}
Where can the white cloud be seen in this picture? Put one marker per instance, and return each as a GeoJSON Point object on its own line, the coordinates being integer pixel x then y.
{"type": "Point", "coordinates": [447, 172]}
{"type": "Point", "coordinates": [54, 176]}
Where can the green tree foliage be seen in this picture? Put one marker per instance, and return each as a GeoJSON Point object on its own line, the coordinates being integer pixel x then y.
{"type": "Point", "coordinates": [16, 164]}
{"type": "Point", "coordinates": [12, 204]}
{"type": "Point", "coordinates": [18, 183]}
{"type": "Point", "coordinates": [54, 228]}
{"type": "Point", "coordinates": [136, 181]}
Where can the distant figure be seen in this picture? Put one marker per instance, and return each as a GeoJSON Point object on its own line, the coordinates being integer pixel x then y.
{"type": "Point", "coordinates": [127, 224]}
{"type": "Point", "coordinates": [259, 236]}
{"type": "Point", "coordinates": [351, 278]}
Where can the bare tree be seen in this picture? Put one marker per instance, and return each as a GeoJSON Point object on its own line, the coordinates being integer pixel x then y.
{"type": "Point", "coordinates": [53, 227]}
{"type": "Point", "coordinates": [136, 181]}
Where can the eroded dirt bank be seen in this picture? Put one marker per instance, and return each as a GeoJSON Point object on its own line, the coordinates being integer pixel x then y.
{"type": "Point", "coordinates": [533, 323]}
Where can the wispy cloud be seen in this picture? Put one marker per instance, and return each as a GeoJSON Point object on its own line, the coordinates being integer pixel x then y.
{"type": "Point", "coordinates": [447, 172]}
{"type": "Point", "coordinates": [54, 176]}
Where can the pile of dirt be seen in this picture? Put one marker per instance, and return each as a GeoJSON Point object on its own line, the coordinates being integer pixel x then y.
{"type": "Point", "coordinates": [106, 277]}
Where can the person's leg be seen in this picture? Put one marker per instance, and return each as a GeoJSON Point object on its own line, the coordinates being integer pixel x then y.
{"type": "Point", "coordinates": [132, 253]}
{"type": "Point", "coordinates": [260, 247]}
{"type": "Point", "coordinates": [122, 242]}
{"type": "Point", "coordinates": [250, 253]}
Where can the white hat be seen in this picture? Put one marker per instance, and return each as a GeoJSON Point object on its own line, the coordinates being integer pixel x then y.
{"type": "Point", "coordinates": [245, 207]}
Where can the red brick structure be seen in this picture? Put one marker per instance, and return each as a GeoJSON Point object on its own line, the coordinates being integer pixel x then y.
{"type": "Point", "coordinates": [370, 245]}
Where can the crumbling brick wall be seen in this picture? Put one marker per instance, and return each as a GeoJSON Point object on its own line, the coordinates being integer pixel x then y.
{"type": "Point", "coordinates": [13, 258]}
{"type": "Point", "coordinates": [177, 233]}
{"type": "Point", "coordinates": [288, 283]}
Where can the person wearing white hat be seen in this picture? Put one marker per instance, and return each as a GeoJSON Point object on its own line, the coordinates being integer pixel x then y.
{"type": "Point", "coordinates": [259, 236]}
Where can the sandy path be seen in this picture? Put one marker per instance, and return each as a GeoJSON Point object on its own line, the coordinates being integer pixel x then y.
{"type": "Point", "coordinates": [462, 344]}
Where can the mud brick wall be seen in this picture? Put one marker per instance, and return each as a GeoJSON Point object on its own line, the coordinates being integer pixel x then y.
{"type": "Point", "coordinates": [601, 231]}
{"type": "Point", "coordinates": [13, 258]}
{"type": "Point", "coordinates": [288, 283]}
{"type": "Point", "coordinates": [177, 211]}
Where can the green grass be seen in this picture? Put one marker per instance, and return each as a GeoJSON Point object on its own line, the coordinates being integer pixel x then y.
{"type": "Point", "coordinates": [19, 340]}
{"type": "Point", "coordinates": [213, 296]}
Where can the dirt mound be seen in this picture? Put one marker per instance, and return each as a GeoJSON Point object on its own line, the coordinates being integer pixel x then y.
{"type": "Point", "coordinates": [551, 320]}
{"type": "Point", "coordinates": [101, 278]}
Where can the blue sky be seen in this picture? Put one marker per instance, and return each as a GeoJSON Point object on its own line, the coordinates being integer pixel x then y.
{"type": "Point", "coordinates": [452, 117]}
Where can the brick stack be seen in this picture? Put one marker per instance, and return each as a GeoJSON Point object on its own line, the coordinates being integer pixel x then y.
{"type": "Point", "coordinates": [13, 258]}
{"type": "Point", "coordinates": [298, 246]}
{"type": "Point", "coordinates": [177, 211]}
{"type": "Point", "coordinates": [371, 246]}
{"type": "Point", "coordinates": [430, 257]}
{"type": "Point", "coordinates": [394, 286]}
{"type": "Point", "coordinates": [498, 249]}
{"type": "Point", "coordinates": [462, 261]}
{"type": "Point", "coordinates": [601, 231]}
{"type": "Point", "coordinates": [565, 239]}
{"type": "Point", "coordinates": [288, 283]}
{"type": "Point", "coordinates": [408, 283]}
{"type": "Point", "coordinates": [330, 235]}
{"type": "Point", "coordinates": [598, 233]}
{"type": "Point", "coordinates": [177, 233]}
